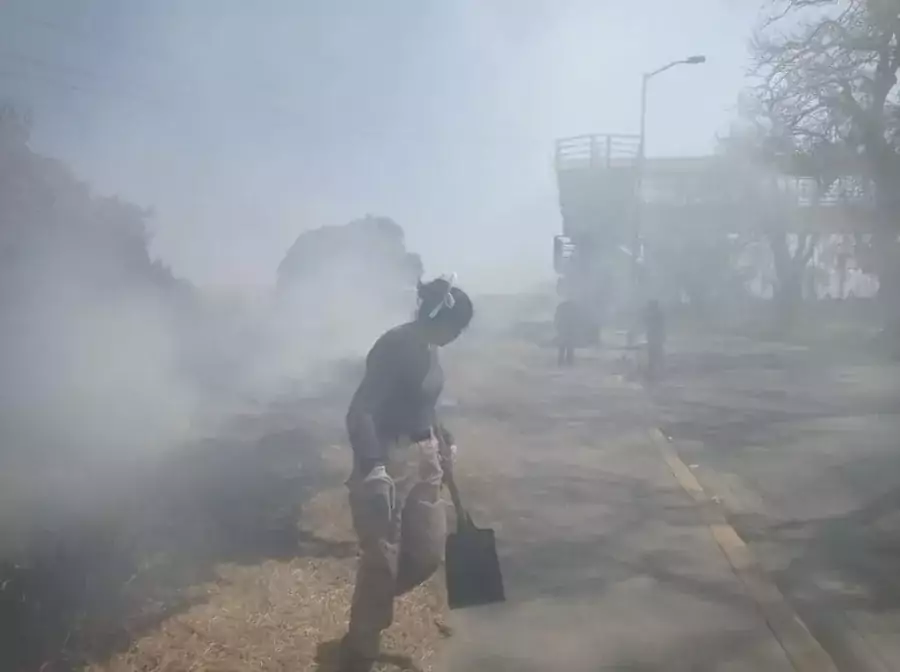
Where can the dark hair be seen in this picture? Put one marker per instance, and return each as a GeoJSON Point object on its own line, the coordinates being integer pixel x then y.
{"type": "Point", "coordinates": [433, 296]}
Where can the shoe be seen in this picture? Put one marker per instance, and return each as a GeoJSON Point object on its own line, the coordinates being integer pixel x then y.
{"type": "Point", "coordinates": [351, 660]}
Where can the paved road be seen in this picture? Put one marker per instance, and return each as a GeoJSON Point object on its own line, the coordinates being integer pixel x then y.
{"type": "Point", "coordinates": [609, 563]}
{"type": "Point", "coordinates": [802, 452]}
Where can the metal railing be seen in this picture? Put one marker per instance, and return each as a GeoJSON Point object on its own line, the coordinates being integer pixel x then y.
{"type": "Point", "coordinates": [603, 150]}
{"type": "Point", "coordinates": [684, 180]}
{"type": "Point", "coordinates": [802, 192]}
{"type": "Point", "coordinates": [848, 190]}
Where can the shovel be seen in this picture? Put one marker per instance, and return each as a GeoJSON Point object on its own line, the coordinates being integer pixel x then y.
{"type": "Point", "coordinates": [473, 569]}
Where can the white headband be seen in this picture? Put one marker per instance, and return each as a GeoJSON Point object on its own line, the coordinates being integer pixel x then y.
{"type": "Point", "coordinates": [448, 301]}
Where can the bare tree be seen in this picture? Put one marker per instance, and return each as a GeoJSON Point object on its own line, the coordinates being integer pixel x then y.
{"type": "Point", "coordinates": [828, 72]}
{"type": "Point", "coordinates": [831, 81]}
{"type": "Point", "coordinates": [761, 153]}
{"type": "Point", "coordinates": [791, 262]}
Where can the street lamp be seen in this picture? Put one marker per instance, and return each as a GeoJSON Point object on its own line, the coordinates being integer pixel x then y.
{"type": "Point", "coordinates": [639, 186]}
{"type": "Point", "coordinates": [690, 60]}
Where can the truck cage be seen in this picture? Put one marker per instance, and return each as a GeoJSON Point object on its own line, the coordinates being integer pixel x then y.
{"type": "Point", "coordinates": [597, 150]}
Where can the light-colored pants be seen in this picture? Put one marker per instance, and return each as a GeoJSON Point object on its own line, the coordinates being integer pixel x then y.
{"type": "Point", "coordinates": [402, 529]}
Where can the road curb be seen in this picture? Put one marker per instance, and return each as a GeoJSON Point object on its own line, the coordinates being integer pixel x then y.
{"type": "Point", "coordinates": [803, 650]}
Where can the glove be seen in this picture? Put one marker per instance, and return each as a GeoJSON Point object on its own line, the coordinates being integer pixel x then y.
{"type": "Point", "coordinates": [430, 460]}
{"type": "Point", "coordinates": [448, 454]}
{"type": "Point", "coordinates": [379, 491]}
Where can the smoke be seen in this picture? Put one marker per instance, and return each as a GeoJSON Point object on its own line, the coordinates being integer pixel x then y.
{"type": "Point", "coordinates": [98, 377]}
{"type": "Point", "coordinates": [91, 386]}
{"type": "Point", "coordinates": [125, 394]}
{"type": "Point", "coordinates": [244, 128]}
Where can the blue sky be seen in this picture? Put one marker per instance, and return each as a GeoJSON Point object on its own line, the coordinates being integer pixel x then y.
{"type": "Point", "coordinates": [243, 123]}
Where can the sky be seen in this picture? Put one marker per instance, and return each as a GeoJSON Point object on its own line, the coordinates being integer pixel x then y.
{"type": "Point", "coordinates": [241, 124]}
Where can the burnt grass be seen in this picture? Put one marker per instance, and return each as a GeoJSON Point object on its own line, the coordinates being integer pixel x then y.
{"type": "Point", "coordinates": [89, 585]}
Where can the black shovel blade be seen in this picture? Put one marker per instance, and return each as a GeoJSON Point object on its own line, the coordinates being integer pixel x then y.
{"type": "Point", "coordinates": [473, 569]}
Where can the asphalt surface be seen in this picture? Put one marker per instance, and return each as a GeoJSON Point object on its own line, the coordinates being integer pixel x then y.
{"type": "Point", "coordinates": [609, 563]}
{"type": "Point", "coordinates": [800, 450]}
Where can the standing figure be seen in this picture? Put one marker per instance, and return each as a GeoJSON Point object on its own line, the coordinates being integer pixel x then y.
{"type": "Point", "coordinates": [567, 328]}
{"type": "Point", "coordinates": [395, 487]}
{"type": "Point", "coordinates": [655, 324]}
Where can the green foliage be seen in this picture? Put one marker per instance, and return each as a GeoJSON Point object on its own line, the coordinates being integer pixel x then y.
{"type": "Point", "coordinates": [369, 248]}
{"type": "Point", "coordinates": [352, 276]}
{"type": "Point", "coordinates": [53, 230]}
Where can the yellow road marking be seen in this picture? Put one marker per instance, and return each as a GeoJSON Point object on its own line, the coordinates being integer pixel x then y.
{"type": "Point", "coordinates": [803, 650]}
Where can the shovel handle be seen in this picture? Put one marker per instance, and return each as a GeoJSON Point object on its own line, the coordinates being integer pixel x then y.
{"type": "Point", "coordinates": [462, 516]}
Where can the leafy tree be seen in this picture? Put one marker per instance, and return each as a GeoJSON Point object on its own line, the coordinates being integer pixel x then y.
{"type": "Point", "coordinates": [53, 230]}
{"type": "Point", "coordinates": [87, 325]}
{"type": "Point", "coordinates": [70, 264]}
{"type": "Point", "coordinates": [366, 259]}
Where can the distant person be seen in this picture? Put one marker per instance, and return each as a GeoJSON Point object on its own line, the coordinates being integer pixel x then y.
{"type": "Point", "coordinates": [567, 327]}
{"type": "Point", "coordinates": [395, 487]}
{"type": "Point", "coordinates": [655, 324]}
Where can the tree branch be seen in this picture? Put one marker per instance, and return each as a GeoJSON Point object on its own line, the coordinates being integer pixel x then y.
{"type": "Point", "coordinates": [810, 249]}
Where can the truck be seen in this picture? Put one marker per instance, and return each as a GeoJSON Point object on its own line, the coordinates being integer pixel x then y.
{"type": "Point", "coordinates": [624, 216]}
{"type": "Point", "coordinates": [598, 251]}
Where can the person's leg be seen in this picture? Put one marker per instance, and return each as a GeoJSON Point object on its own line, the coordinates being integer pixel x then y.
{"type": "Point", "coordinates": [380, 532]}
{"type": "Point", "coordinates": [656, 361]}
{"type": "Point", "coordinates": [424, 527]}
{"type": "Point", "coordinates": [561, 355]}
{"type": "Point", "coordinates": [379, 529]}
{"type": "Point", "coordinates": [570, 355]}
{"type": "Point", "coordinates": [372, 609]}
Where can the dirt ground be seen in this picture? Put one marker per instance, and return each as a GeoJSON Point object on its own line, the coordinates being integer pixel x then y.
{"type": "Point", "coordinates": [608, 564]}
{"type": "Point", "coordinates": [285, 610]}
{"type": "Point", "coordinates": [241, 557]}
{"type": "Point", "coordinates": [283, 614]}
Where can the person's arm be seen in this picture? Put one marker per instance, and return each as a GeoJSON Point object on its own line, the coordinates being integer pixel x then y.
{"type": "Point", "coordinates": [446, 446]}
{"type": "Point", "coordinates": [378, 381]}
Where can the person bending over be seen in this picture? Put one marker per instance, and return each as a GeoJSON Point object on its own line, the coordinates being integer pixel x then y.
{"type": "Point", "coordinates": [399, 452]}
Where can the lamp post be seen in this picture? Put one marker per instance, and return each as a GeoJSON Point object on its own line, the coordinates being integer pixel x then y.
{"type": "Point", "coordinates": [691, 60]}
{"type": "Point", "coordinates": [636, 242]}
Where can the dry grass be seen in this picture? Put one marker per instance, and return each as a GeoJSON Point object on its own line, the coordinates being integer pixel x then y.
{"type": "Point", "coordinates": [282, 615]}
{"type": "Point", "coordinates": [200, 567]}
